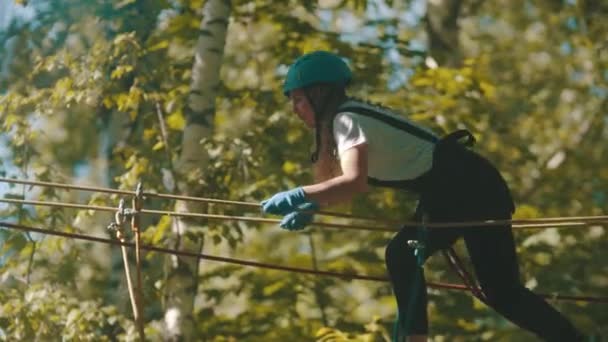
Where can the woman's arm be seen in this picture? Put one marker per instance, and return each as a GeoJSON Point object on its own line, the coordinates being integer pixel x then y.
{"type": "Point", "coordinates": [343, 188]}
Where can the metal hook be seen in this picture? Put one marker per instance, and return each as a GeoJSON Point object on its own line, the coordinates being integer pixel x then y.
{"type": "Point", "coordinates": [119, 220]}
{"type": "Point", "coordinates": [415, 244]}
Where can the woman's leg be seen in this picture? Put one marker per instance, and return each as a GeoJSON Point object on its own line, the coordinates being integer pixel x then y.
{"type": "Point", "coordinates": [492, 252]}
{"type": "Point", "coordinates": [404, 273]}
{"type": "Point", "coordinates": [402, 268]}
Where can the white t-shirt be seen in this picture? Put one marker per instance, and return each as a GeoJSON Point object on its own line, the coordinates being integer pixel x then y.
{"type": "Point", "coordinates": [398, 149]}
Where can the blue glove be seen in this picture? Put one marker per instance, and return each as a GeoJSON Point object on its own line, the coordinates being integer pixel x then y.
{"type": "Point", "coordinates": [298, 220]}
{"type": "Point", "coordinates": [284, 202]}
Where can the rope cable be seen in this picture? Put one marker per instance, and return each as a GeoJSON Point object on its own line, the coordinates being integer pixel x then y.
{"type": "Point", "coordinates": [136, 203]}
{"type": "Point", "coordinates": [118, 227]}
{"type": "Point", "coordinates": [351, 276]}
{"type": "Point", "coordinates": [174, 197]}
{"type": "Point", "coordinates": [138, 196]}
{"type": "Point", "coordinates": [517, 223]}
{"type": "Point", "coordinates": [65, 186]}
{"type": "Point", "coordinates": [576, 222]}
{"type": "Point", "coordinates": [191, 215]}
{"type": "Point", "coordinates": [467, 278]}
{"type": "Point", "coordinates": [58, 204]}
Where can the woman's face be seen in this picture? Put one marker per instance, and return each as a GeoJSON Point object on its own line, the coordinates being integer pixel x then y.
{"type": "Point", "coordinates": [302, 107]}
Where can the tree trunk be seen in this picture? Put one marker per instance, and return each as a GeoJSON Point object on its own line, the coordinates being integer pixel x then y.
{"type": "Point", "coordinates": [181, 272]}
{"type": "Point", "coordinates": [442, 29]}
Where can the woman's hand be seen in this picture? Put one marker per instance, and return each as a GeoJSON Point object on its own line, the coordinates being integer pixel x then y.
{"type": "Point", "coordinates": [284, 202]}
{"type": "Point", "coordinates": [298, 220]}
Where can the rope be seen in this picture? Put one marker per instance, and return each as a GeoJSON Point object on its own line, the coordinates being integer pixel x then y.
{"type": "Point", "coordinates": [347, 276]}
{"type": "Point", "coordinates": [58, 204]}
{"type": "Point", "coordinates": [65, 186]}
{"type": "Point", "coordinates": [175, 197]}
{"type": "Point", "coordinates": [132, 298]}
{"type": "Point", "coordinates": [550, 222]}
{"type": "Point", "coordinates": [192, 215]}
{"type": "Point", "coordinates": [467, 278]}
{"type": "Point", "coordinates": [135, 220]}
{"type": "Point", "coordinates": [580, 222]}
{"type": "Point", "coordinates": [137, 200]}
{"type": "Point", "coordinates": [118, 227]}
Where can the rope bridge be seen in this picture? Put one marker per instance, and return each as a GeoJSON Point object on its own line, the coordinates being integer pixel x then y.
{"type": "Point", "coordinates": [122, 214]}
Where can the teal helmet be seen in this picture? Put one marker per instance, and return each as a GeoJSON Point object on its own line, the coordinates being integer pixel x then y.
{"type": "Point", "coordinates": [316, 67]}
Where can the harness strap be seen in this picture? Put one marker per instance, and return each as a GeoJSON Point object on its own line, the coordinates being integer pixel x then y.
{"type": "Point", "coordinates": [393, 121]}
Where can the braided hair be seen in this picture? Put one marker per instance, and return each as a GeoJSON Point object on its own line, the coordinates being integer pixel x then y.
{"type": "Point", "coordinates": [324, 100]}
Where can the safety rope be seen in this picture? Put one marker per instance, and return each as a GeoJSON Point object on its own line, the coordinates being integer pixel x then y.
{"type": "Point", "coordinates": [466, 277]}
{"type": "Point", "coordinates": [389, 225]}
{"type": "Point", "coordinates": [346, 276]}
{"type": "Point", "coordinates": [137, 203]}
{"type": "Point", "coordinates": [118, 227]}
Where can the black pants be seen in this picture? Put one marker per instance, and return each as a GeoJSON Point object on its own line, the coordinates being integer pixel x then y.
{"type": "Point", "coordinates": [463, 186]}
{"type": "Point", "coordinates": [492, 252]}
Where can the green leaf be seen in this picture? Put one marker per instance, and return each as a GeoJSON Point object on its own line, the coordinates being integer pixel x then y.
{"type": "Point", "coordinates": [159, 145]}
{"type": "Point", "coordinates": [273, 288]}
{"type": "Point", "coordinates": [176, 121]}
{"type": "Point", "coordinates": [120, 71]}
{"type": "Point", "coordinates": [163, 44]}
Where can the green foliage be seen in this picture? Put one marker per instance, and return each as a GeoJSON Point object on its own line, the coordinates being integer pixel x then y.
{"type": "Point", "coordinates": [84, 85]}
{"type": "Point", "coordinates": [44, 312]}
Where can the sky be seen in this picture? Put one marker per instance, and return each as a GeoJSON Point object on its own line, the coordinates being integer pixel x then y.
{"type": "Point", "coordinates": [9, 10]}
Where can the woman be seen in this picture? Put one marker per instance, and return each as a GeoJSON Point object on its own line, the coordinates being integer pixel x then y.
{"type": "Point", "coordinates": [358, 145]}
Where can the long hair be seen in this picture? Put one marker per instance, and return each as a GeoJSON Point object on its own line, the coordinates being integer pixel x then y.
{"type": "Point", "coordinates": [325, 100]}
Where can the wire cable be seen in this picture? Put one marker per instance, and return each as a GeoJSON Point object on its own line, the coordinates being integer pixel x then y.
{"type": "Point", "coordinates": [192, 215]}
{"type": "Point", "coordinates": [573, 221]}
{"type": "Point", "coordinates": [346, 276]}
{"type": "Point", "coordinates": [563, 223]}
{"type": "Point", "coordinates": [65, 186]}
{"type": "Point", "coordinates": [174, 197]}
{"type": "Point", "coordinates": [58, 204]}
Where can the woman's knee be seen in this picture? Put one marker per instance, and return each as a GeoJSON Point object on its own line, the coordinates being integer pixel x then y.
{"type": "Point", "coordinates": [397, 252]}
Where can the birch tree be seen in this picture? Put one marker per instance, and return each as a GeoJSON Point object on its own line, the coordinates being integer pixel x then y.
{"type": "Point", "coordinates": [200, 112]}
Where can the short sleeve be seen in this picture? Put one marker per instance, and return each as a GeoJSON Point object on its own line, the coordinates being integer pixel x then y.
{"type": "Point", "coordinates": [347, 131]}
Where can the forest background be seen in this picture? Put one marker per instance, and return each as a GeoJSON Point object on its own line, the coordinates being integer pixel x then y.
{"type": "Point", "coordinates": [185, 97]}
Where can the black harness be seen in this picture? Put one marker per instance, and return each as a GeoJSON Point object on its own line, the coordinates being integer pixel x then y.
{"type": "Point", "coordinates": [416, 184]}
